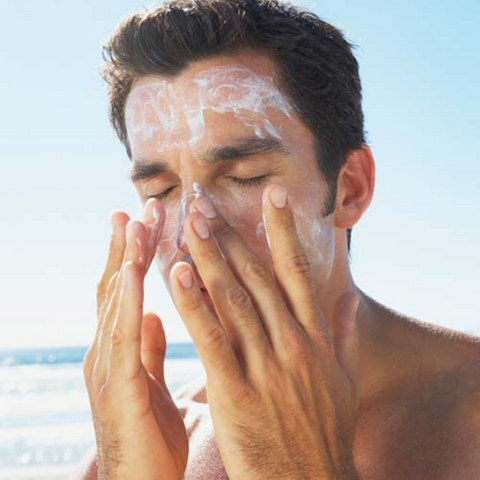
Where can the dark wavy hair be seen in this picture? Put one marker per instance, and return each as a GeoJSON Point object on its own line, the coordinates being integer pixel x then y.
{"type": "Point", "coordinates": [314, 65]}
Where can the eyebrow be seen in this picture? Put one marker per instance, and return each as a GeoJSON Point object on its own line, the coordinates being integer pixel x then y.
{"type": "Point", "coordinates": [242, 148]}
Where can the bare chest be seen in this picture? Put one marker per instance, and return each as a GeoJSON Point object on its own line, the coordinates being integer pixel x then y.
{"type": "Point", "coordinates": [388, 445]}
{"type": "Point", "coordinates": [204, 460]}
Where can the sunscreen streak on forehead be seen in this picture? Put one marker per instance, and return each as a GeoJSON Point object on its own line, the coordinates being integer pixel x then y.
{"type": "Point", "coordinates": [236, 89]}
{"type": "Point", "coordinates": [156, 110]}
{"type": "Point", "coordinates": [149, 113]}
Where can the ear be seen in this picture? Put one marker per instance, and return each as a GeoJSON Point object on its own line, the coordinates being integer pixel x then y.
{"type": "Point", "coordinates": [355, 186]}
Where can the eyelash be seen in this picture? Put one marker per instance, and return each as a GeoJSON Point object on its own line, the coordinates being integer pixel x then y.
{"type": "Point", "coordinates": [242, 182]}
{"type": "Point", "coordinates": [248, 182]}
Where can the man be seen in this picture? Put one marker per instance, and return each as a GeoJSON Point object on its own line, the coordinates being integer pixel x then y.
{"type": "Point", "coordinates": [243, 122]}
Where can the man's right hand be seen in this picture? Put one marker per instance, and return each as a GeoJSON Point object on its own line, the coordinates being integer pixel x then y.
{"type": "Point", "coordinates": [139, 431]}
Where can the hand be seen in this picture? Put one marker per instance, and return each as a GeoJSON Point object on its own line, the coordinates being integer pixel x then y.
{"type": "Point", "coordinates": [282, 392]}
{"type": "Point", "coordinates": [139, 430]}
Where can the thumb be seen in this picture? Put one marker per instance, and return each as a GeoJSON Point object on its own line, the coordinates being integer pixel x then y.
{"type": "Point", "coordinates": [345, 335]}
{"type": "Point", "coordinates": [154, 346]}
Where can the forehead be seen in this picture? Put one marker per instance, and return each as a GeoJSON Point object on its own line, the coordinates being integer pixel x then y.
{"type": "Point", "coordinates": [208, 102]}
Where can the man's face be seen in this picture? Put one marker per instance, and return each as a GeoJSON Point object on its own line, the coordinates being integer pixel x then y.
{"type": "Point", "coordinates": [224, 130]}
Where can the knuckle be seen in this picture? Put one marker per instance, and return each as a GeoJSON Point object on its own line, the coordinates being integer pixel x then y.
{"type": "Point", "coordinates": [238, 298]}
{"type": "Point", "coordinates": [101, 291]}
{"type": "Point", "coordinates": [298, 262]}
{"type": "Point", "coordinates": [223, 231]}
{"type": "Point", "coordinates": [297, 350]}
{"type": "Point", "coordinates": [212, 254]}
{"type": "Point", "coordinates": [105, 287]}
{"type": "Point", "coordinates": [244, 396]}
{"type": "Point", "coordinates": [193, 305]}
{"type": "Point", "coordinates": [104, 399]}
{"type": "Point", "coordinates": [117, 337]}
{"type": "Point", "coordinates": [256, 269]}
{"type": "Point", "coordinates": [214, 339]}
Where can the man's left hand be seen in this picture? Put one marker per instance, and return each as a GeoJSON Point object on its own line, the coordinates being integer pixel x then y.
{"type": "Point", "coordinates": [282, 390]}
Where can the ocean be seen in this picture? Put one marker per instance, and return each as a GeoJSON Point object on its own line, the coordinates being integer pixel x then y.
{"type": "Point", "coordinates": [45, 419]}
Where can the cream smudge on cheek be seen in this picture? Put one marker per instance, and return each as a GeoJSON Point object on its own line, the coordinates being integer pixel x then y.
{"type": "Point", "coordinates": [317, 235]}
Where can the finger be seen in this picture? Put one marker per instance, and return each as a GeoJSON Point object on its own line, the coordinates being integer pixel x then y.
{"type": "Point", "coordinates": [140, 248]}
{"type": "Point", "coordinates": [118, 221]}
{"type": "Point", "coordinates": [212, 344]}
{"type": "Point", "coordinates": [232, 302]}
{"type": "Point", "coordinates": [133, 253]}
{"type": "Point", "coordinates": [291, 264]}
{"type": "Point", "coordinates": [125, 337]}
{"type": "Point", "coordinates": [254, 274]}
{"type": "Point", "coordinates": [105, 287]}
{"type": "Point", "coordinates": [153, 218]}
{"type": "Point", "coordinates": [153, 346]}
{"type": "Point", "coordinates": [136, 248]}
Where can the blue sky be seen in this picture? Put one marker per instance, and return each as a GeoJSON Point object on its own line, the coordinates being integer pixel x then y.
{"type": "Point", "coordinates": [63, 171]}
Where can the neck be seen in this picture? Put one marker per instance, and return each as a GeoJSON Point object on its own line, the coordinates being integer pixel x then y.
{"type": "Point", "coordinates": [374, 322]}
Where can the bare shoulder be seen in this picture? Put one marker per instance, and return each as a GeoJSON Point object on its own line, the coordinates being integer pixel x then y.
{"type": "Point", "coordinates": [445, 361]}
{"type": "Point", "coordinates": [442, 404]}
{"type": "Point", "coordinates": [461, 425]}
{"type": "Point", "coordinates": [430, 412]}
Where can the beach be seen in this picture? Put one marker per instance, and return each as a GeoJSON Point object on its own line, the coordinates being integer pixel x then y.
{"type": "Point", "coordinates": [45, 419]}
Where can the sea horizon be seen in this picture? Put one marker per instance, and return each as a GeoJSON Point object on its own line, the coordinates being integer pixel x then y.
{"type": "Point", "coordinates": [45, 419]}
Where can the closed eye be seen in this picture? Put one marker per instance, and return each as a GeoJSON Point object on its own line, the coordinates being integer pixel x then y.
{"type": "Point", "coordinates": [243, 182]}
{"type": "Point", "coordinates": [247, 182]}
{"type": "Point", "coordinates": [162, 195]}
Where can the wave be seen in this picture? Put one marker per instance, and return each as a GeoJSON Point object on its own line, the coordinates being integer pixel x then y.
{"type": "Point", "coordinates": [63, 355]}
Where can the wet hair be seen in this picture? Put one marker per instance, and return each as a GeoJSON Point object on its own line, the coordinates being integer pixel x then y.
{"type": "Point", "coordinates": [313, 65]}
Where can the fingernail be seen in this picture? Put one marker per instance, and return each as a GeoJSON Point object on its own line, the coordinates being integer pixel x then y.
{"type": "Point", "coordinates": [205, 205]}
{"type": "Point", "coordinates": [200, 226]}
{"type": "Point", "coordinates": [278, 196]}
{"type": "Point", "coordinates": [186, 279]}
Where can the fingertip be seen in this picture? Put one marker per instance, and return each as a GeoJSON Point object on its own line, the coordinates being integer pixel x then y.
{"type": "Point", "coordinates": [205, 206]}
{"type": "Point", "coordinates": [136, 230]}
{"type": "Point", "coordinates": [266, 194]}
{"type": "Point", "coordinates": [118, 219]}
{"type": "Point", "coordinates": [152, 322]}
{"type": "Point", "coordinates": [275, 195]}
{"type": "Point", "coordinates": [278, 197]}
{"type": "Point", "coordinates": [182, 274]}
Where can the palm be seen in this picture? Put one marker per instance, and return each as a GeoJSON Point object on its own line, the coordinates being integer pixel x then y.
{"type": "Point", "coordinates": [170, 424]}
{"type": "Point", "coordinates": [158, 441]}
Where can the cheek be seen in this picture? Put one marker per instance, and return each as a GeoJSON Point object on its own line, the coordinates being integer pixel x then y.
{"type": "Point", "coordinates": [244, 215]}
{"type": "Point", "coordinates": [317, 236]}
{"type": "Point", "coordinates": [242, 212]}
